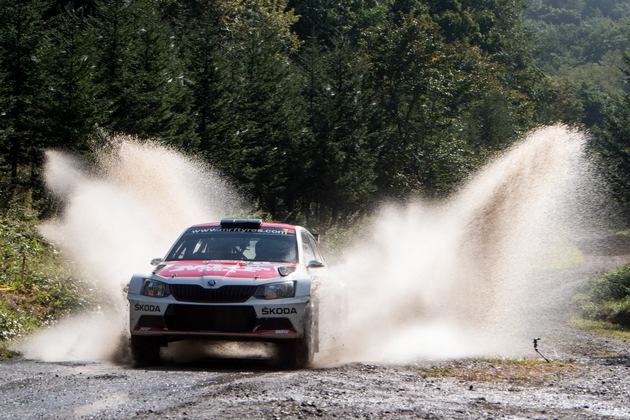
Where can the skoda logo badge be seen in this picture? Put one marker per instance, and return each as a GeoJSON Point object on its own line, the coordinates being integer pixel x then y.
{"type": "Point", "coordinates": [212, 283]}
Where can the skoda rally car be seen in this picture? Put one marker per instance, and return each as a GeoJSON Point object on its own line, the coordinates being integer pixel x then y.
{"type": "Point", "coordinates": [240, 279]}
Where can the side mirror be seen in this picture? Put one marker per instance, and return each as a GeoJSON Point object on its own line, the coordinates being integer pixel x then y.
{"type": "Point", "coordinates": [156, 261]}
{"type": "Point", "coordinates": [315, 264]}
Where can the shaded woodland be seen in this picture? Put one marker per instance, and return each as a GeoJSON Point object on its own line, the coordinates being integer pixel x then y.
{"type": "Point", "coordinates": [316, 109]}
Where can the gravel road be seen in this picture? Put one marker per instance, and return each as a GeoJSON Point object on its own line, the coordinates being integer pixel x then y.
{"type": "Point", "coordinates": [588, 378]}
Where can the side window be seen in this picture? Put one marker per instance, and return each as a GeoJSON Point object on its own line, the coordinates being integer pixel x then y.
{"type": "Point", "coordinates": [307, 248]}
{"type": "Point", "coordinates": [318, 255]}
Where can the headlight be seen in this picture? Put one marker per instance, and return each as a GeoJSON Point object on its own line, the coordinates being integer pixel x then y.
{"type": "Point", "coordinates": [276, 290]}
{"type": "Point", "coordinates": [285, 270]}
{"type": "Point", "coordinates": [154, 288]}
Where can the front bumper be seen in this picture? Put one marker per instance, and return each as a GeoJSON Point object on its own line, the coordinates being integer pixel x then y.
{"type": "Point", "coordinates": [254, 319]}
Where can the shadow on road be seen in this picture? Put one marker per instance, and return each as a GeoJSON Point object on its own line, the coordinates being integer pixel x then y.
{"type": "Point", "coordinates": [216, 365]}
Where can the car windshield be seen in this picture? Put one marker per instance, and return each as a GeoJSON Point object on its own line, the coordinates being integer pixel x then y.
{"type": "Point", "coordinates": [227, 244]}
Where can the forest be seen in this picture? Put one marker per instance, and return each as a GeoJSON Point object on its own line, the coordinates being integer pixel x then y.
{"type": "Point", "coordinates": [315, 109]}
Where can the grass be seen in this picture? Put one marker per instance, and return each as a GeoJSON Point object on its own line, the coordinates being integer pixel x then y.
{"type": "Point", "coordinates": [6, 353]}
{"type": "Point", "coordinates": [566, 256]}
{"type": "Point", "coordinates": [515, 372]}
{"type": "Point", "coordinates": [605, 298]}
{"type": "Point", "coordinates": [603, 328]}
{"type": "Point", "coordinates": [37, 286]}
{"type": "Point", "coordinates": [602, 305]}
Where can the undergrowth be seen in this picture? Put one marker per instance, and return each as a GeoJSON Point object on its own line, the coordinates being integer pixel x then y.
{"type": "Point", "coordinates": [605, 298]}
{"type": "Point", "coordinates": [36, 286]}
{"type": "Point", "coordinates": [602, 328]}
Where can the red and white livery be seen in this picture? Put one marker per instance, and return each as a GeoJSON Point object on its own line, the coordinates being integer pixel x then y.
{"type": "Point", "coordinates": [240, 279]}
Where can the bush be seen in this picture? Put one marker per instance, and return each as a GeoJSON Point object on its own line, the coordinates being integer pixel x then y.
{"type": "Point", "coordinates": [36, 285]}
{"type": "Point", "coordinates": [606, 297]}
{"type": "Point", "coordinates": [11, 324]}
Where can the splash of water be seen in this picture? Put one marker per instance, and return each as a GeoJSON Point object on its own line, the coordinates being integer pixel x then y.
{"type": "Point", "coordinates": [431, 280]}
{"type": "Point", "coordinates": [117, 217]}
{"type": "Point", "coordinates": [455, 279]}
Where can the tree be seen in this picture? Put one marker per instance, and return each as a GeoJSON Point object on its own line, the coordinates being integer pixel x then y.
{"type": "Point", "coordinates": [489, 125]}
{"type": "Point", "coordinates": [247, 103]}
{"type": "Point", "coordinates": [112, 26]}
{"type": "Point", "coordinates": [155, 98]}
{"type": "Point", "coordinates": [268, 108]}
{"type": "Point", "coordinates": [21, 40]}
{"type": "Point", "coordinates": [579, 45]}
{"type": "Point", "coordinates": [70, 108]}
{"type": "Point", "coordinates": [323, 21]}
{"type": "Point", "coordinates": [344, 124]}
{"type": "Point", "coordinates": [200, 29]}
{"type": "Point", "coordinates": [613, 147]}
{"type": "Point", "coordinates": [421, 83]}
{"type": "Point", "coordinates": [142, 88]}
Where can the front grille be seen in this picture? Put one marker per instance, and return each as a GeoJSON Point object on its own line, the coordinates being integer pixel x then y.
{"type": "Point", "coordinates": [224, 294]}
{"type": "Point", "coordinates": [274, 324]}
{"type": "Point", "coordinates": [228, 319]}
{"type": "Point", "coordinates": [151, 321]}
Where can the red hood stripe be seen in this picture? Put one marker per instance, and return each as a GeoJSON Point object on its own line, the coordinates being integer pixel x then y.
{"type": "Point", "coordinates": [231, 269]}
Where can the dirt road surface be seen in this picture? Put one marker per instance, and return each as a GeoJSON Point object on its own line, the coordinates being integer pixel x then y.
{"type": "Point", "coordinates": [587, 378]}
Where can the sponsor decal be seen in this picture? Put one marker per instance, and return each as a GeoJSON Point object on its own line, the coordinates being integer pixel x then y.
{"type": "Point", "coordinates": [205, 230]}
{"type": "Point", "coordinates": [223, 268]}
{"type": "Point", "coordinates": [147, 308]}
{"type": "Point", "coordinates": [282, 331]}
{"type": "Point", "coordinates": [279, 311]}
{"type": "Point", "coordinates": [199, 268]}
{"type": "Point", "coordinates": [277, 231]}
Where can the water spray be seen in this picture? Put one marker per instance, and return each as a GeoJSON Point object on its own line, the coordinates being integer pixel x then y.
{"type": "Point", "coordinates": [434, 280]}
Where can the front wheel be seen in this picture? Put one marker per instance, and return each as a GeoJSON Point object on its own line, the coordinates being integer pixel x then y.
{"type": "Point", "coordinates": [145, 350]}
{"type": "Point", "coordinates": [298, 354]}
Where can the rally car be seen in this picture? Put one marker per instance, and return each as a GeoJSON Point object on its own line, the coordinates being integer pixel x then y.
{"type": "Point", "coordinates": [238, 279]}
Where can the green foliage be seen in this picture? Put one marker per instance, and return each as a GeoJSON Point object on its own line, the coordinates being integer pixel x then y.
{"type": "Point", "coordinates": [490, 123]}
{"type": "Point", "coordinates": [323, 21]}
{"type": "Point", "coordinates": [12, 324]}
{"type": "Point", "coordinates": [22, 39]}
{"type": "Point", "coordinates": [610, 286]}
{"type": "Point", "coordinates": [429, 91]}
{"type": "Point", "coordinates": [606, 297]}
{"type": "Point", "coordinates": [137, 69]}
{"type": "Point", "coordinates": [199, 30]}
{"type": "Point", "coordinates": [268, 107]}
{"type": "Point", "coordinates": [69, 107]}
{"type": "Point", "coordinates": [581, 47]}
{"type": "Point", "coordinates": [343, 124]}
{"type": "Point", "coordinates": [314, 108]}
{"type": "Point", "coordinates": [37, 287]}
{"type": "Point", "coordinates": [612, 147]}
{"type": "Point", "coordinates": [580, 44]}
{"type": "Point", "coordinates": [249, 113]}
{"type": "Point", "coordinates": [317, 109]}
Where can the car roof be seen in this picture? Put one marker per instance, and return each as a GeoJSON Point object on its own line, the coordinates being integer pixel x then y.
{"type": "Point", "coordinates": [275, 225]}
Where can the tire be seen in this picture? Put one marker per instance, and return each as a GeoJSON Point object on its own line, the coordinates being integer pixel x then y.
{"type": "Point", "coordinates": [145, 350]}
{"type": "Point", "coordinates": [298, 354]}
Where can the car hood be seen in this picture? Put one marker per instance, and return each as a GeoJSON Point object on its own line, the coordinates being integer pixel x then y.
{"type": "Point", "coordinates": [228, 269]}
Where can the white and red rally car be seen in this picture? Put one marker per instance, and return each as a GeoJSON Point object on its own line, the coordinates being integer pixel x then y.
{"type": "Point", "coordinates": [240, 279]}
